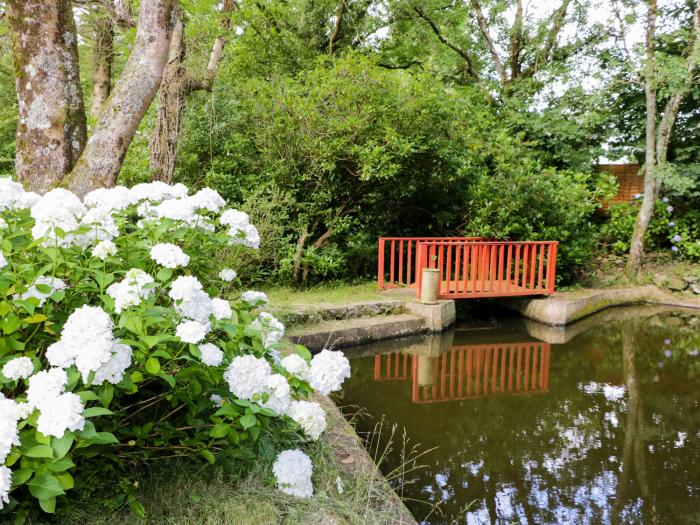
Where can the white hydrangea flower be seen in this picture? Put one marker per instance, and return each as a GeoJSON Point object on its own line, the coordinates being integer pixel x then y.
{"type": "Point", "coordinates": [130, 290]}
{"type": "Point", "coordinates": [3, 261]}
{"type": "Point", "coordinates": [45, 385]}
{"type": "Point", "coordinates": [57, 208]}
{"type": "Point", "coordinates": [192, 331]}
{"type": "Point", "coordinates": [10, 193]}
{"type": "Point", "coordinates": [293, 470]}
{"type": "Point", "coordinates": [3, 223]}
{"type": "Point", "coordinates": [207, 199]}
{"type": "Point", "coordinates": [112, 199]}
{"type": "Point", "coordinates": [277, 394]}
{"type": "Point", "coordinates": [233, 218]}
{"type": "Point", "coordinates": [247, 376]}
{"type": "Point", "coordinates": [18, 368]}
{"type": "Point", "coordinates": [217, 400]}
{"type": "Point", "coordinates": [104, 249]}
{"type": "Point", "coordinates": [101, 224]}
{"type": "Point", "coordinates": [9, 435]}
{"type": "Point", "coordinates": [246, 235]}
{"type": "Point", "coordinates": [211, 354]}
{"type": "Point", "coordinates": [54, 283]}
{"type": "Point", "coordinates": [157, 191]}
{"type": "Point", "coordinates": [87, 335]}
{"type": "Point", "coordinates": [5, 485]}
{"type": "Point", "coordinates": [309, 416]}
{"type": "Point", "coordinates": [271, 329]}
{"type": "Point", "coordinates": [221, 308]}
{"type": "Point", "coordinates": [227, 274]}
{"type": "Point", "coordinates": [169, 255]}
{"type": "Point", "coordinates": [60, 355]}
{"type": "Point", "coordinates": [61, 413]}
{"type": "Point", "coordinates": [27, 200]}
{"type": "Point", "coordinates": [176, 209]}
{"type": "Point", "coordinates": [24, 410]}
{"type": "Point", "coordinates": [254, 298]}
{"type": "Point", "coordinates": [295, 365]}
{"type": "Point", "coordinates": [113, 370]}
{"type": "Point", "coordinates": [184, 288]}
{"type": "Point", "coordinates": [328, 371]}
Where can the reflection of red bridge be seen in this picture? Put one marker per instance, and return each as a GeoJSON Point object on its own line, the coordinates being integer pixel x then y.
{"type": "Point", "coordinates": [469, 371]}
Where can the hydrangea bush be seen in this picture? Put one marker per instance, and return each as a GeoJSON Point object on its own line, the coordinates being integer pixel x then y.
{"type": "Point", "coordinates": [112, 348]}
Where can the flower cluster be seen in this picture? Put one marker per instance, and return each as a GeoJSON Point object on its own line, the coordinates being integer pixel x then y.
{"type": "Point", "coordinates": [293, 470]}
{"type": "Point", "coordinates": [107, 320]}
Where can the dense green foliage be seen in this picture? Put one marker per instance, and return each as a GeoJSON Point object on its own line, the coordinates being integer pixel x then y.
{"type": "Point", "coordinates": [399, 121]}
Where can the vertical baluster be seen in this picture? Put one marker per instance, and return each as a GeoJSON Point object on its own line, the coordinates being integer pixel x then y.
{"type": "Point", "coordinates": [410, 278]}
{"type": "Point", "coordinates": [460, 384]}
{"type": "Point", "coordinates": [516, 274]}
{"type": "Point", "coordinates": [453, 375]}
{"type": "Point", "coordinates": [484, 267]}
{"type": "Point", "coordinates": [494, 369]}
{"type": "Point", "coordinates": [518, 369]}
{"type": "Point", "coordinates": [465, 269]}
{"type": "Point", "coordinates": [449, 268]}
{"type": "Point", "coordinates": [392, 260]}
{"type": "Point", "coordinates": [443, 378]}
{"type": "Point", "coordinates": [499, 275]}
{"type": "Point", "coordinates": [533, 265]}
{"type": "Point", "coordinates": [540, 264]}
{"type": "Point", "coordinates": [545, 368]}
{"type": "Point", "coordinates": [401, 262]}
{"type": "Point", "coordinates": [476, 255]}
{"type": "Point", "coordinates": [504, 354]}
{"type": "Point", "coordinates": [378, 367]}
{"type": "Point", "coordinates": [551, 267]}
{"type": "Point", "coordinates": [526, 252]}
{"type": "Point", "coordinates": [458, 269]}
{"type": "Point", "coordinates": [511, 367]}
{"type": "Point", "coordinates": [492, 268]}
{"type": "Point", "coordinates": [440, 262]}
{"type": "Point", "coordinates": [509, 267]}
{"type": "Point", "coordinates": [380, 265]}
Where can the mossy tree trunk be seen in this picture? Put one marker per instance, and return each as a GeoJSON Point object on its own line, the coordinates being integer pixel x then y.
{"type": "Point", "coordinates": [102, 158]}
{"type": "Point", "coordinates": [102, 59]}
{"type": "Point", "coordinates": [51, 130]}
{"type": "Point", "coordinates": [176, 86]}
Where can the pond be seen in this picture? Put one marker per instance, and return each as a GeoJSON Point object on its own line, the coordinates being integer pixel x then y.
{"type": "Point", "coordinates": [516, 422]}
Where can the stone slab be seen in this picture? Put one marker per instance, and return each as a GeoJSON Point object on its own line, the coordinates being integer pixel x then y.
{"type": "Point", "coordinates": [351, 332]}
{"type": "Point", "coordinates": [566, 307]}
{"type": "Point", "coordinates": [438, 317]}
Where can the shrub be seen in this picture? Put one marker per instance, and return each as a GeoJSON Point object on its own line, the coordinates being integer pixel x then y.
{"type": "Point", "coordinates": [112, 351]}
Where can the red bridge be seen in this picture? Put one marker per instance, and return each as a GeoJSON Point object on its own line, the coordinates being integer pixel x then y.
{"type": "Point", "coordinates": [470, 267]}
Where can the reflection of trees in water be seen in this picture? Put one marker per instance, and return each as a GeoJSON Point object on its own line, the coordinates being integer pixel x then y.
{"type": "Point", "coordinates": [553, 457]}
{"type": "Point", "coordinates": [634, 469]}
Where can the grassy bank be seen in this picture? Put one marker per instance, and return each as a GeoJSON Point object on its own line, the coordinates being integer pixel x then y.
{"type": "Point", "coordinates": [285, 297]}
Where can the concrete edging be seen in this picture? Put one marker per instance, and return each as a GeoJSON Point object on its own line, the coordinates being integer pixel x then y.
{"type": "Point", "coordinates": [566, 307]}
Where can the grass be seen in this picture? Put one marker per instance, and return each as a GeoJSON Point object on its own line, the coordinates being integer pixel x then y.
{"type": "Point", "coordinates": [242, 492]}
{"type": "Point", "coordinates": [283, 297]}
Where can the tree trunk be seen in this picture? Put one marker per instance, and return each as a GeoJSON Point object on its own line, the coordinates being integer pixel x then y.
{"type": "Point", "coordinates": [171, 99]}
{"type": "Point", "coordinates": [51, 129]}
{"type": "Point", "coordinates": [102, 57]}
{"type": "Point", "coordinates": [104, 153]}
{"type": "Point", "coordinates": [176, 86]}
{"type": "Point", "coordinates": [646, 210]}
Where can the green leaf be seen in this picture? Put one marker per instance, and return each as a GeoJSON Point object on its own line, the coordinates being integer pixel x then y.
{"type": "Point", "coordinates": [66, 480]}
{"type": "Point", "coordinates": [164, 274]}
{"type": "Point", "coordinates": [105, 438]}
{"type": "Point", "coordinates": [97, 411]}
{"type": "Point", "coordinates": [207, 454]}
{"type": "Point", "coordinates": [87, 395]}
{"type": "Point", "coordinates": [21, 476]}
{"type": "Point", "coordinates": [151, 340]}
{"type": "Point", "coordinates": [34, 319]}
{"type": "Point", "coordinates": [248, 421]}
{"type": "Point", "coordinates": [48, 505]}
{"type": "Point", "coordinates": [62, 446]}
{"type": "Point", "coordinates": [45, 486]}
{"type": "Point", "coordinates": [61, 464]}
{"type": "Point", "coordinates": [220, 430]}
{"type": "Point", "coordinates": [39, 451]}
{"type": "Point", "coordinates": [152, 365]}
{"type": "Point", "coordinates": [303, 352]}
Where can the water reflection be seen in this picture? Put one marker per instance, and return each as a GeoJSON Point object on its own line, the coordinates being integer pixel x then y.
{"type": "Point", "coordinates": [604, 428]}
{"type": "Point", "coordinates": [468, 371]}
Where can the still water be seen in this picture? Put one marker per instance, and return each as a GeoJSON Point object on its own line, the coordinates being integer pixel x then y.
{"type": "Point", "coordinates": [596, 423]}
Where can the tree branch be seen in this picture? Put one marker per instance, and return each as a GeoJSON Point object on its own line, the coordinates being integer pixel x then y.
{"type": "Point", "coordinates": [462, 53]}
{"type": "Point", "coordinates": [516, 41]}
{"type": "Point", "coordinates": [337, 26]}
{"type": "Point", "coordinates": [484, 28]}
{"type": "Point", "coordinates": [544, 55]}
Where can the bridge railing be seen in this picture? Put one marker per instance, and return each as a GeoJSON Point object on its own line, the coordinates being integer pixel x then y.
{"type": "Point", "coordinates": [478, 268]}
{"type": "Point", "coordinates": [398, 259]}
